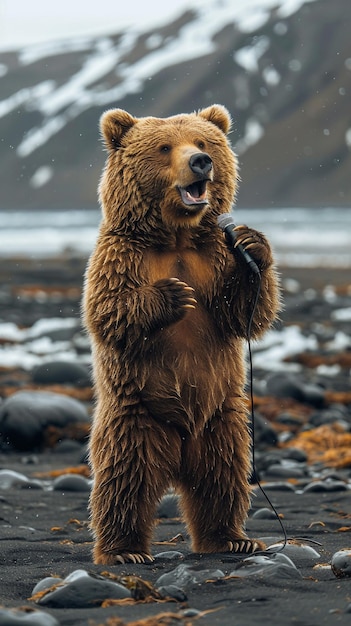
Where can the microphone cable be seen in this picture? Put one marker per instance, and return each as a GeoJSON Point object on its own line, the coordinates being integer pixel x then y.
{"type": "Point", "coordinates": [252, 412]}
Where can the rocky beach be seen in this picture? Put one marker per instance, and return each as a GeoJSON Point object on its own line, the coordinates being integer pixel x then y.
{"type": "Point", "coordinates": [302, 418]}
{"type": "Point", "coordinates": [283, 70]}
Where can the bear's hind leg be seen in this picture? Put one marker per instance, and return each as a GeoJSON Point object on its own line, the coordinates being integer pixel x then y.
{"type": "Point", "coordinates": [132, 469]}
{"type": "Point", "coordinates": [214, 486]}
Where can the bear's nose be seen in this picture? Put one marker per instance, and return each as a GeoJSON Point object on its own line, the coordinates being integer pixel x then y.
{"type": "Point", "coordinates": [200, 163]}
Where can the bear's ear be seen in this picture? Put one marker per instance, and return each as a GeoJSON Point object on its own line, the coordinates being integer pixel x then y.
{"type": "Point", "coordinates": [113, 125]}
{"type": "Point", "coordinates": [219, 116]}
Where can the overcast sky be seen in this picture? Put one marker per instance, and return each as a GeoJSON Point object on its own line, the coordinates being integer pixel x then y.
{"type": "Point", "coordinates": [34, 21]}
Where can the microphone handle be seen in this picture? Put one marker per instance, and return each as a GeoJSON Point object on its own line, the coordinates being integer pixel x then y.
{"type": "Point", "coordinates": [248, 258]}
{"type": "Point", "coordinates": [231, 238]}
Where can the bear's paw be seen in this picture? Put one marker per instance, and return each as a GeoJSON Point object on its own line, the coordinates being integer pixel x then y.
{"type": "Point", "coordinates": [178, 298]}
{"type": "Point", "coordinates": [116, 558]}
{"type": "Point", "coordinates": [256, 244]}
{"type": "Point", "coordinates": [235, 545]}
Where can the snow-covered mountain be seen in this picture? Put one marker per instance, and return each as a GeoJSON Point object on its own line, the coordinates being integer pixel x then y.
{"type": "Point", "coordinates": [282, 67]}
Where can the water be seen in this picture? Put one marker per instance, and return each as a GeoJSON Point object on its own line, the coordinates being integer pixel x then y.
{"type": "Point", "coordinates": [300, 237]}
{"type": "Point", "coordinates": [305, 237]}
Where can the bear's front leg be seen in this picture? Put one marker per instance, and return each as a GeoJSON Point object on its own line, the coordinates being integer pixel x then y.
{"type": "Point", "coordinates": [214, 486]}
{"type": "Point", "coordinates": [132, 468]}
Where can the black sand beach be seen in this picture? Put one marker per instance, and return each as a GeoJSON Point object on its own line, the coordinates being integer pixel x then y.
{"type": "Point", "coordinates": [303, 457]}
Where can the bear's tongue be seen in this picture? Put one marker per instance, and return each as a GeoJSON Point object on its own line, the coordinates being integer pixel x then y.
{"type": "Point", "coordinates": [194, 193]}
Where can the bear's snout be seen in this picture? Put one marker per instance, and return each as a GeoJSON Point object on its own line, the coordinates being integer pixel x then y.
{"type": "Point", "coordinates": [200, 163]}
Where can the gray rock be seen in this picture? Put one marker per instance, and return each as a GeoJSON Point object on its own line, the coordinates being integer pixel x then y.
{"type": "Point", "coordinates": [17, 617]}
{"type": "Point", "coordinates": [264, 513]}
{"type": "Point", "coordinates": [286, 385]}
{"type": "Point", "coordinates": [168, 507]}
{"type": "Point", "coordinates": [341, 563]}
{"type": "Point", "coordinates": [183, 576]}
{"type": "Point", "coordinates": [293, 550]}
{"type": "Point", "coordinates": [71, 482]}
{"type": "Point", "coordinates": [293, 453]}
{"type": "Point", "coordinates": [332, 415]}
{"type": "Point", "coordinates": [10, 478]}
{"type": "Point", "coordinates": [170, 555]}
{"type": "Point", "coordinates": [191, 612]}
{"type": "Point", "coordinates": [62, 372]}
{"type": "Point", "coordinates": [46, 583]}
{"type": "Point", "coordinates": [264, 432]}
{"type": "Point", "coordinates": [172, 591]}
{"type": "Point", "coordinates": [278, 565]}
{"type": "Point", "coordinates": [285, 469]}
{"type": "Point", "coordinates": [25, 415]}
{"type": "Point", "coordinates": [277, 486]}
{"type": "Point", "coordinates": [82, 589]}
{"type": "Point", "coordinates": [325, 485]}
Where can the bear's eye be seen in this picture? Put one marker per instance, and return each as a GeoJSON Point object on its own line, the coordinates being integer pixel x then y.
{"type": "Point", "coordinates": [200, 144]}
{"type": "Point", "coordinates": [165, 148]}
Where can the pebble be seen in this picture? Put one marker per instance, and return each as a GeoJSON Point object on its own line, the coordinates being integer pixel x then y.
{"type": "Point", "coordinates": [278, 565]}
{"type": "Point", "coordinates": [286, 385]}
{"type": "Point", "coordinates": [325, 485]}
{"type": "Point", "coordinates": [276, 486]}
{"type": "Point", "coordinates": [191, 613]}
{"type": "Point", "coordinates": [333, 414]}
{"type": "Point", "coordinates": [288, 420]}
{"type": "Point", "coordinates": [184, 576]}
{"type": "Point", "coordinates": [301, 551]}
{"type": "Point", "coordinates": [67, 482]}
{"type": "Point", "coordinates": [293, 453]}
{"type": "Point", "coordinates": [286, 469]}
{"type": "Point", "coordinates": [70, 445]}
{"type": "Point", "coordinates": [82, 589]}
{"type": "Point", "coordinates": [172, 591]}
{"type": "Point", "coordinates": [46, 583]}
{"type": "Point", "coordinates": [17, 617]}
{"type": "Point", "coordinates": [10, 478]}
{"type": "Point", "coordinates": [341, 563]}
{"type": "Point", "coordinates": [264, 432]}
{"type": "Point", "coordinates": [72, 482]}
{"type": "Point", "coordinates": [264, 514]}
{"type": "Point", "coordinates": [62, 372]}
{"type": "Point", "coordinates": [170, 555]}
{"type": "Point", "coordinates": [281, 463]}
{"type": "Point", "coordinates": [168, 507]}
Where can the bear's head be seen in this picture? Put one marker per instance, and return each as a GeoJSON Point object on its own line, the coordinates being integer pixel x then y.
{"type": "Point", "coordinates": [174, 169]}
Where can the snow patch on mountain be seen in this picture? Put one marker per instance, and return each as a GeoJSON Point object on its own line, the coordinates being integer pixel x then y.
{"type": "Point", "coordinates": [60, 104]}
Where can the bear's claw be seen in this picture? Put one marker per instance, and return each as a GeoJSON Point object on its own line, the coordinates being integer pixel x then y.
{"type": "Point", "coordinates": [256, 243]}
{"type": "Point", "coordinates": [120, 558]}
{"type": "Point", "coordinates": [178, 295]}
{"type": "Point", "coordinates": [133, 557]}
{"type": "Point", "coordinates": [245, 546]}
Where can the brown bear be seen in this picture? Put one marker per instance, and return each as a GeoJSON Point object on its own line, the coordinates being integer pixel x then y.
{"type": "Point", "coordinates": [167, 305]}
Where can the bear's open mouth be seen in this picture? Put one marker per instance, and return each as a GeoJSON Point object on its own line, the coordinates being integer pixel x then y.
{"type": "Point", "coordinates": [196, 193]}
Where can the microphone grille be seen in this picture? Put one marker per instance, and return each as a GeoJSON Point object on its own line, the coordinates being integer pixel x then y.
{"type": "Point", "coordinates": [224, 220]}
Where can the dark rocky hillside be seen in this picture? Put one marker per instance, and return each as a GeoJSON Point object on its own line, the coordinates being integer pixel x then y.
{"type": "Point", "coordinates": [287, 84]}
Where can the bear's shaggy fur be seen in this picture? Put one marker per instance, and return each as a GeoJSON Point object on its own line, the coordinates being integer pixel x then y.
{"type": "Point", "coordinates": [167, 305]}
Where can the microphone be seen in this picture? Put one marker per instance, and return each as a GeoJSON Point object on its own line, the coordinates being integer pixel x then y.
{"type": "Point", "coordinates": [225, 222]}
